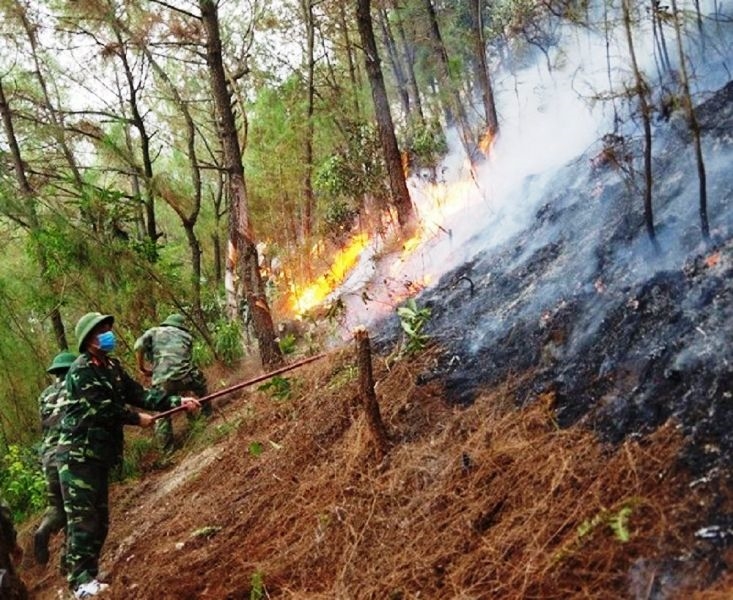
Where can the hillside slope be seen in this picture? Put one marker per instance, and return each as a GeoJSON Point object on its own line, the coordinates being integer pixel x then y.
{"type": "Point", "coordinates": [566, 435]}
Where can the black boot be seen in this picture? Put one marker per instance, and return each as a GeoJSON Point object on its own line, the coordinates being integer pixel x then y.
{"type": "Point", "coordinates": [40, 544]}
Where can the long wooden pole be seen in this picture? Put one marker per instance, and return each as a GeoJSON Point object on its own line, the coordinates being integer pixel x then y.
{"type": "Point", "coordinates": [243, 384]}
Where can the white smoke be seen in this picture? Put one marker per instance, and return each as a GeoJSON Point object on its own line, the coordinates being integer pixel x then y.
{"type": "Point", "coordinates": [549, 117]}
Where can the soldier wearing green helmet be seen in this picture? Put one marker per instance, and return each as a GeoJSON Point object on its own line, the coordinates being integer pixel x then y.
{"type": "Point", "coordinates": [49, 407]}
{"type": "Point", "coordinates": [169, 349]}
{"type": "Point", "coordinates": [99, 391]}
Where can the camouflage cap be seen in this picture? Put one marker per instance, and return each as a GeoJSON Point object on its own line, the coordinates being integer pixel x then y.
{"type": "Point", "coordinates": [87, 323]}
{"type": "Point", "coordinates": [174, 320]}
{"type": "Point", "coordinates": [61, 362]}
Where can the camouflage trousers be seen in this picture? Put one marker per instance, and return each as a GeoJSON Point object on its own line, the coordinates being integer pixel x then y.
{"type": "Point", "coordinates": [54, 518]}
{"type": "Point", "coordinates": [85, 489]}
{"type": "Point", "coordinates": [194, 383]}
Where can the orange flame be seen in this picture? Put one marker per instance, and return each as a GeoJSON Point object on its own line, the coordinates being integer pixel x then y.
{"type": "Point", "coordinates": [485, 142]}
{"type": "Point", "coordinates": [312, 295]}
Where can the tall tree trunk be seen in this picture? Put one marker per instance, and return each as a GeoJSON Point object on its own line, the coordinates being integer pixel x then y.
{"type": "Point", "coordinates": [394, 61]}
{"type": "Point", "coordinates": [33, 226]}
{"type": "Point", "coordinates": [353, 74]}
{"type": "Point", "coordinates": [448, 89]}
{"type": "Point", "coordinates": [482, 68]}
{"type": "Point", "coordinates": [242, 251]}
{"type": "Point", "coordinates": [188, 219]}
{"type": "Point", "coordinates": [408, 52]}
{"type": "Point", "coordinates": [694, 127]}
{"type": "Point", "coordinates": [398, 185]}
{"type": "Point", "coordinates": [309, 203]}
{"type": "Point", "coordinates": [147, 160]}
{"type": "Point", "coordinates": [641, 90]}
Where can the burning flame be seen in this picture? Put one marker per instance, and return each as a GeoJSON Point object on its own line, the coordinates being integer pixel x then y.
{"type": "Point", "coordinates": [485, 142]}
{"type": "Point", "coordinates": [436, 204]}
{"type": "Point", "coordinates": [304, 299]}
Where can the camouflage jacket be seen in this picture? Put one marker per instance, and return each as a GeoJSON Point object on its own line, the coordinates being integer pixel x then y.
{"type": "Point", "coordinates": [49, 407]}
{"type": "Point", "coordinates": [169, 350]}
{"type": "Point", "coordinates": [95, 410]}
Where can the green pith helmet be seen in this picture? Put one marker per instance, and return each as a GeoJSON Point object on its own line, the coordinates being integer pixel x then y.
{"type": "Point", "coordinates": [87, 323]}
{"type": "Point", "coordinates": [61, 363]}
{"type": "Point", "coordinates": [174, 320]}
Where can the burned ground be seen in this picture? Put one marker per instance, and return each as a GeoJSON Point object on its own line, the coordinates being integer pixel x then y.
{"type": "Point", "coordinates": [567, 434]}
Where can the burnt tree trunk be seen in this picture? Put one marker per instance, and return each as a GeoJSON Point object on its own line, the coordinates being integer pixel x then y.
{"type": "Point", "coordinates": [694, 127]}
{"type": "Point", "coordinates": [242, 257]}
{"type": "Point", "coordinates": [397, 182]}
{"type": "Point", "coordinates": [641, 90]}
{"type": "Point", "coordinates": [366, 391]}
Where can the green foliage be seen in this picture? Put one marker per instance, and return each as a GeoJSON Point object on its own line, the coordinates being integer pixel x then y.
{"type": "Point", "coordinates": [258, 591]}
{"type": "Point", "coordinates": [426, 144]}
{"type": "Point", "coordinates": [202, 355]}
{"type": "Point", "coordinates": [255, 448]}
{"type": "Point", "coordinates": [278, 387]}
{"type": "Point", "coordinates": [343, 376]}
{"type": "Point", "coordinates": [617, 522]}
{"type": "Point", "coordinates": [413, 321]}
{"type": "Point", "coordinates": [136, 451]}
{"type": "Point", "coordinates": [22, 484]}
{"type": "Point", "coordinates": [207, 532]}
{"type": "Point", "coordinates": [353, 171]}
{"type": "Point", "coordinates": [287, 343]}
{"type": "Point", "coordinates": [228, 340]}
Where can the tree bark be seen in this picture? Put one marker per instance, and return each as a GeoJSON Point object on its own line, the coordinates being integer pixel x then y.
{"type": "Point", "coordinates": [448, 90]}
{"type": "Point", "coordinates": [694, 128]}
{"type": "Point", "coordinates": [367, 393]}
{"type": "Point", "coordinates": [394, 61]}
{"type": "Point", "coordinates": [398, 185]}
{"type": "Point", "coordinates": [33, 225]}
{"type": "Point", "coordinates": [409, 57]}
{"type": "Point", "coordinates": [641, 90]}
{"type": "Point", "coordinates": [309, 201]}
{"type": "Point", "coordinates": [242, 260]}
{"type": "Point", "coordinates": [482, 68]}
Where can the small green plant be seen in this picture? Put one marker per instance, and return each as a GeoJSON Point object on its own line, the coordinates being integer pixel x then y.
{"type": "Point", "coordinates": [413, 320]}
{"type": "Point", "coordinates": [136, 450]}
{"type": "Point", "coordinates": [255, 448]}
{"type": "Point", "coordinates": [208, 531]}
{"type": "Point", "coordinates": [22, 485]}
{"type": "Point", "coordinates": [619, 524]}
{"type": "Point", "coordinates": [258, 591]}
{"type": "Point", "coordinates": [278, 388]}
{"type": "Point", "coordinates": [287, 344]}
{"type": "Point", "coordinates": [228, 341]}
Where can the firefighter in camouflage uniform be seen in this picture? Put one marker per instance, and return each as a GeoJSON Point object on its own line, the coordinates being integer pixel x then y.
{"type": "Point", "coordinates": [91, 442]}
{"type": "Point", "coordinates": [169, 349]}
{"type": "Point", "coordinates": [49, 407]}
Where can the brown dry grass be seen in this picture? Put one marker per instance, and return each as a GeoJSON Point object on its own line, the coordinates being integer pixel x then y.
{"type": "Point", "coordinates": [478, 502]}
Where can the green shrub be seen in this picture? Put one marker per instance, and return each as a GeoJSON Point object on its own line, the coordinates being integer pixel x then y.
{"type": "Point", "coordinates": [22, 484]}
{"type": "Point", "coordinates": [228, 341]}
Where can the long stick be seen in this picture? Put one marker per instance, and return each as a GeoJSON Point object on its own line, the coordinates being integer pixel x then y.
{"type": "Point", "coordinates": [238, 386]}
